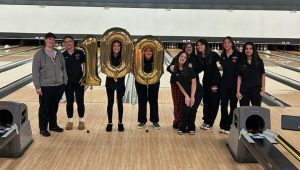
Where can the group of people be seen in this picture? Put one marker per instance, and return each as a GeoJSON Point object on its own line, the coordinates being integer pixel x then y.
{"type": "Point", "coordinates": [243, 79]}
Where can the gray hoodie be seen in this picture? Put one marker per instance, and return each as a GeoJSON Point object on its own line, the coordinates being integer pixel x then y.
{"type": "Point", "coordinates": [48, 73]}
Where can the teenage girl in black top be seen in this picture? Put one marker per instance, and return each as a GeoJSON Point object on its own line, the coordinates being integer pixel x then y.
{"type": "Point", "coordinates": [149, 93]}
{"type": "Point", "coordinates": [211, 82]}
{"type": "Point", "coordinates": [230, 58]}
{"type": "Point", "coordinates": [113, 85]}
{"type": "Point", "coordinates": [251, 77]}
{"type": "Point", "coordinates": [185, 79]}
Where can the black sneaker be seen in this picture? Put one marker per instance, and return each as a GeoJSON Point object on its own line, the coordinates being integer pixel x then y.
{"type": "Point", "coordinates": [180, 132]}
{"type": "Point", "coordinates": [141, 125]}
{"type": "Point", "coordinates": [207, 127]}
{"type": "Point", "coordinates": [109, 127]}
{"type": "Point", "coordinates": [120, 127]}
{"type": "Point", "coordinates": [56, 129]}
{"type": "Point", "coordinates": [45, 133]}
{"type": "Point", "coordinates": [156, 126]}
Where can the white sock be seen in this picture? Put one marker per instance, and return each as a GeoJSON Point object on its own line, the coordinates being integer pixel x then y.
{"type": "Point", "coordinates": [70, 119]}
{"type": "Point", "coordinates": [81, 119]}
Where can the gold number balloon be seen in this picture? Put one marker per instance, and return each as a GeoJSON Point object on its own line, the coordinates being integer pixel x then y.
{"type": "Point", "coordinates": [106, 41]}
{"type": "Point", "coordinates": [91, 77]}
{"type": "Point", "coordinates": [158, 60]}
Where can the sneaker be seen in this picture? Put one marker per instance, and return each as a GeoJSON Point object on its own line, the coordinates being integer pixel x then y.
{"type": "Point", "coordinates": [120, 127]}
{"type": "Point", "coordinates": [141, 125]}
{"type": "Point", "coordinates": [156, 126]}
{"type": "Point", "coordinates": [180, 132]}
{"type": "Point", "coordinates": [81, 125]}
{"type": "Point", "coordinates": [192, 132]}
{"type": "Point", "coordinates": [221, 130]}
{"type": "Point", "coordinates": [203, 125]}
{"type": "Point", "coordinates": [45, 133]}
{"type": "Point", "coordinates": [56, 129]}
{"type": "Point", "coordinates": [206, 127]}
{"type": "Point", "coordinates": [69, 126]}
{"type": "Point", "coordinates": [226, 132]}
{"type": "Point", "coordinates": [109, 127]}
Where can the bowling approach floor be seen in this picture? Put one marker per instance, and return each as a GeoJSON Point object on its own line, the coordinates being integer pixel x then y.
{"type": "Point", "coordinates": [133, 148]}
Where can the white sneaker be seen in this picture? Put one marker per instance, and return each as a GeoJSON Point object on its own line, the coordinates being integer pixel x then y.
{"type": "Point", "coordinates": [226, 132]}
{"type": "Point", "coordinates": [221, 131]}
{"type": "Point", "coordinates": [207, 127]}
{"type": "Point", "coordinates": [202, 126]}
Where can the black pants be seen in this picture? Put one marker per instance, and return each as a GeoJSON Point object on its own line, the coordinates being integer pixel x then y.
{"type": "Point", "coordinates": [253, 95]}
{"type": "Point", "coordinates": [110, 91]}
{"type": "Point", "coordinates": [49, 101]}
{"type": "Point", "coordinates": [211, 102]}
{"type": "Point", "coordinates": [147, 94]}
{"type": "Point", "coordinates": [228, 95]}
{"type": "Point", "coordinates": [79, 94]}
{"type": "Point", "coordinates": [189, 113]}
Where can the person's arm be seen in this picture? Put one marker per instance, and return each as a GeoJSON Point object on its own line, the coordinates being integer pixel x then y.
{"type": "Point", "coordinates": [36, 66]}
{"type": "Point", "coordinates": [263, 85]}
{"type": "Point", "coordinates": [170, 68]}
{"type": "Point", "coordinates": [83, 68]}
{"type": "Point", "coordinates": [217, 75]}
{"type": "Point", "coordinates": [238, 88]}
{"type": "Point", "coordinates": [63, 66]}
{"type": "Point", "coordinates": [193, 91]}
{"type": "Point", "coordinates": [186, 96]}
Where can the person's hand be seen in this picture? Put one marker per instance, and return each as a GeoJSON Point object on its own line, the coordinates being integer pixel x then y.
{"type": "Point", "coordinates": [239, 96]}
{"type": "Point", "coordinates": [190, 65]}
{"type": "Point", "coordinates": [214, 88]}
{"type": "Point", "coordinates": [39, 91]}
{"type": "Point", "coordinates": [262, 92]}
{"type": "Point", "coordinates": [172, 68]}
{"type": "Point", "coordinates": [187, 101]}
{"type": "Point", "coordinates": [192, 101]}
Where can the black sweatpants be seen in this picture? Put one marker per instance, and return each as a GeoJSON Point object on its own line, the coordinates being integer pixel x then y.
{"type": "Point", "coordinates": [110, 91]}
{"type": "Point", "coordinates": [228, 95]}
{"type": "Point", "coordinates": [49, 101]}
{"type": "Point", "coordinates": [79, 94]}
{"type": "Point", "coordinates": [211, 102]}
{"type": "Point", "coordinates": [253, 95]}
{"type": "Point", "coordinates": [147, 94]}
{"type": "Point", "coordinates": [189, 113]}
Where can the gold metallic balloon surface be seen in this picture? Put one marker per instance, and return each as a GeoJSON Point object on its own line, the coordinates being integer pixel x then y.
{"type": "Point", "coordinates": [108, 37]}
{"type": "Point", "coordinates": [158, 60]}
{"type": "Point", "coordinates": [91, 77]}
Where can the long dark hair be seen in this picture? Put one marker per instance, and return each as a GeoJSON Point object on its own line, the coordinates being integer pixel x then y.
{"type": "Point", "coordinates": [232, 42]}
{"type": "Point", "coordinates": [189, 43]}
{"type": "Point", "coordinates": [176, 64]}
{"type": "Point", "coordinates": [255, 55]}
{"type": "Point", "coordinates": [206, 59]}
{"type": "Point", "coordinates": [112, 52]}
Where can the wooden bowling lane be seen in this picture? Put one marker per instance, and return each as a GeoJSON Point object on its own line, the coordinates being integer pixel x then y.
{"type": "Point", "coordinates": [134, 148]}
{"type": "Point", "coordinates": [13, 50]}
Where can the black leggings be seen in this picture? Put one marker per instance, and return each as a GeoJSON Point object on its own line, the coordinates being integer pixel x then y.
{"type": "Point", "coordinates": [110, 97]}
{"type": "Point", "coordinates": [79, 94]}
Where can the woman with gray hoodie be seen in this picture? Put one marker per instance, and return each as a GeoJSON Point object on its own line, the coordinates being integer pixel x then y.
{"type": "Point", "coordinates": [49, 78]}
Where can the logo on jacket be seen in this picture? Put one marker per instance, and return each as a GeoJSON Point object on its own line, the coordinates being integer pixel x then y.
{"type": "Point", "coordinates": [234, 59]}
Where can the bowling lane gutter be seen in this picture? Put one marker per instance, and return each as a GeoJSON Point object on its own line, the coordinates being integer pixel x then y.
{"type": "Point", "coordinates": [15, 64]}
{"type": "Point", "coordinates": [283, 65]}
{"type": "Point", "coordinates": [16, 85]}
{"type": "Point", "coordinates": [20, 52]}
